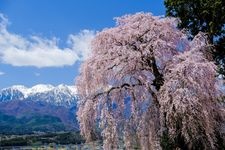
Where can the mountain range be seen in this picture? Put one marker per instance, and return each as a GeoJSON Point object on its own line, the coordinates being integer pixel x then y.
{"type": "Point", "coordinates": [41, 108]}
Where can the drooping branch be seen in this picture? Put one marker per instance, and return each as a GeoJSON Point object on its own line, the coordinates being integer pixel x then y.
{"type": "Point", "coordinates": [125, 85]}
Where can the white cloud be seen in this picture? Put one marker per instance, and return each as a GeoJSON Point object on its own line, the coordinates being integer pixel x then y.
{"type": "Point", "coordinates": [36, 51]}
{"type": "Point", "coordinates": [79, 43]}
{"type": "Point", "coordinates": [2, 73]}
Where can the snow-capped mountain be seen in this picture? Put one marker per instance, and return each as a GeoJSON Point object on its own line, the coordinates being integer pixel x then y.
{"type": "Point", "coordinates": [56, 106]}
{"type": "Point", "coordinates": [61, 95]}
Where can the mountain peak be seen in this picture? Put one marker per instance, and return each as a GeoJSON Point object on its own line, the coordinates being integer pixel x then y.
{"type": "Point", "coordinates": [40, 88]}
{"type": "Point", "coordinates": [18, 87]}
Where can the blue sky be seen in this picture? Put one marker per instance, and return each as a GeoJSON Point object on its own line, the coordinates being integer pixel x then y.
{"type": "Point", "coordinates": [45, 41]}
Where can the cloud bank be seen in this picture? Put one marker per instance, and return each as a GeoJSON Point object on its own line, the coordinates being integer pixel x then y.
{"type": "Point", "coordinates": [36, 51]}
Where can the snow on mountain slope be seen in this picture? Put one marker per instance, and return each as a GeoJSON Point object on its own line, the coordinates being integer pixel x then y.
{"type": "Point", "coordinates": [11, 94]}
{"type": "Point", "coordinates": [40, 88]}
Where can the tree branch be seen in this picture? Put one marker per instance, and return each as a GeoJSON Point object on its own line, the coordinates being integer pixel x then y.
{"type": "Point", "coordinates": [125, 85]}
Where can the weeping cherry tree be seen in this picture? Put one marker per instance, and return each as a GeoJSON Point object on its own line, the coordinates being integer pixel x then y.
{"type": "Point", "coordinates": [147, 86]}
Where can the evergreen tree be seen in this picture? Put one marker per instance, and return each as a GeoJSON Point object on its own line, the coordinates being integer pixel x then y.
{"type": "Point", "coordinates": [202, 15]}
